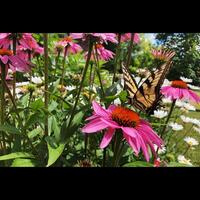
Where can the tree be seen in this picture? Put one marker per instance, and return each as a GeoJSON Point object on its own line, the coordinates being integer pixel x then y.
{"type": "Point", "coordinates": [187, 58]}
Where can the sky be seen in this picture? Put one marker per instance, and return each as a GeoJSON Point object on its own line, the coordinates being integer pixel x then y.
{"type": "Point", "coordinates": [151, 37]}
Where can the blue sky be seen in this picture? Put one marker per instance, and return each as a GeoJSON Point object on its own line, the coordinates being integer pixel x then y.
{"type": "Point", "coordinates": [151, 37]}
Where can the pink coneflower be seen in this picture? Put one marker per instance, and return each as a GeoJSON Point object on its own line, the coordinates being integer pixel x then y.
{"type": "Point", "coordinates": [164, 55]}
{"type": "Point", "coordinates": [127, 36]}
{"type": "Point", "coordinates": [68, 44]}
{"type": "Point", "coordinates": [103, 54]}
{"type": "Point", "coordinates": [24, 39]}
{"type": "Point", "coordinates": [98, 37]}
{"type": "Point", "coordinates": [14, 62]}
{"type": "Point", "coordinates": [179, 90]}
{"type": "Point", "coordinates": [137, 132]}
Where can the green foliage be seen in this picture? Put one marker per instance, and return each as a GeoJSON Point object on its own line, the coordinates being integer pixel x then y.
{"type": "Point", "coordinates": [187, 58]}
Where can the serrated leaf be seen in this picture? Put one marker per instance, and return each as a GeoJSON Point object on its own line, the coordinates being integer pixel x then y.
{"type": "Point", "coordinates": [138, 164]}
{"type": "Point", "coordinates": [10, 129]}
{"type": "Point", "coordinates": [16, 155]}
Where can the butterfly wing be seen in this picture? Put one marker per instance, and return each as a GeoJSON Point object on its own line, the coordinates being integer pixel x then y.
{"type": "Point", "coordinates": [129, 82]}
{"type": "Point", "coordinates": [148, 94]}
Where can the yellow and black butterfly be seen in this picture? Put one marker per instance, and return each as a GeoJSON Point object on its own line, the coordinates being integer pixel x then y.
{"type": "Point", "coordinates": [147, 96]}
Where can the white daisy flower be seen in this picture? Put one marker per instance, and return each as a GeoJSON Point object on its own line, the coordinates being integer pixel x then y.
{"type": "Point", "coordinates": [117, 101]}
{"type": "Point", "coordinates": [179, 103]}
{"type": "Point", "coordinates": [70, 88]}
{"type": "Point", "coordinates": [187, 80]}
{"type": "Point", "coordinates": [188, 106]}
{"type": "Point", "coordinates": [37, 80]}
{"type": "Point", "coordinates": [166, 100]}
{"type": "Point", "coordinates": [185, 119]}
{"type": "Point", "coordinates": [193, 87]}
{"type": "Point", "coordinates": [183, 160]}
{"type": "Point", "coordinates": [19, 84]}
{"type": "Point", "coordinates": [175, 126]}
{"type": "Point", "coordinates": [191, 141]}
{"type": "Point", "coordinates": [196, 129]}
{"type": "Point", "coordinates": [160, 114]}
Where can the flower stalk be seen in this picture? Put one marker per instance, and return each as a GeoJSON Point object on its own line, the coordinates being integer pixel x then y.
{"type": "Point", "coordinates": [168, 117]}
{"type": "Point", "coordinates": [116, 57]}
{"type": "Point", "coordinates": [130, 50]}
{"type": "Point", "coordinates": [14, 52]}
{"type": "Point", "coordinates": [82, 81]}
{"type": "Point", "coordinates": [46, 73]}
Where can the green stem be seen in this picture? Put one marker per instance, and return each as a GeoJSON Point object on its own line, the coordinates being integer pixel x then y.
{"type": "Point", "coordinates": [116, 57]}
{"type": "Point", "coordinates": [90, 81]}
{"type": "Point", "coordinates": [63, 66]}
{"type": "Point", "coordinates": [82, 81]}
{"type": "Point", "coordinates": [86, 144]}
{"type": "Point", "coordinates": [117, 147]}
{"type": "Point", "coordinates": [98, 70]}
{"type": "Point", "coordinates": [3, 104]}
{"type": "Point", "coordinates": [56, 63]}
{"type": "Point", "coordinates": [46, 73]}
{"type": "Point", "coordinates": [14, 52]}
{"type": "Point", "coordinates": [18, 116]}
{"type": "Point", "coordinates": [168, 117]}
{"type": "Point", "coordinates": [130, 50]}
{"type": "Point", "coordinates": [104, 157]}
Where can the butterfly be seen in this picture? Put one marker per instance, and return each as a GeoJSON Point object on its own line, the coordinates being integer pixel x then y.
{"type": "Point", "coordinates": [147, 96]}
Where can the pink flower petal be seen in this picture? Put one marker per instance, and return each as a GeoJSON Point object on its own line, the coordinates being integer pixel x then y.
{"type": "Point", "coordinates": [4, 59]}
{"type": "Point", "coordinates": [130, 131]}
{"type": "Point", "coordinates": [94, 126]}
{"type": "Point", "coordinates": [99, 110]}
{"type": "Point", "coordinates": [107, 138]}
{"type": "Point", "coordinates": [132, 144]}
{"type": "Point", "coordinates": [110, 123]}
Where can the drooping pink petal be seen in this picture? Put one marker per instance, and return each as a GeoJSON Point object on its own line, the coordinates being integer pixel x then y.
{"type": "Point", "coordinates": [130, 131]}
{"type": "Point", "coordinates": [99, 110]}
{"type": "Point", "coordinates": [132, 143]}
{"type": "Point", "coordinates": [194, 96]}
{"type": "Point", "coordinates": [110, 123]}
{"type": "Point", "coordinates": [94, 126]}
{"type": "Point", "coordinates": [107, 138]}
{"type": "Point", "coordinates": [4, 59]}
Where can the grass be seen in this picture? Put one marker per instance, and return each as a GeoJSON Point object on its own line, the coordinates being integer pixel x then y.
{"type": "Point", "coordinates": [192, 154]}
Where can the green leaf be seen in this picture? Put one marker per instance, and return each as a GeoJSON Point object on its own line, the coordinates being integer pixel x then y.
{"type": "Point", "coordinates": [10, 129]}
{"type": "Point", "coordinates": [176, 164]}
{"type": "Point", "coordinates": [25, 99]}
{"type": "Point", "coordinates": [54, 153]}
{"type": "Point", "coordinates": [52, 106]}
{"type": "Point", "coordinates": [16, 155]}
{"type": "Point", "coordinates": [66, 132]}
{"type": "Point", "coordinates": [123, 96]}
{"type": "Point", "coordinates": [56, 128]}
{"type": "Point", "coordinates": [138, 164]}
{"type": "Point", "coordinates": [34, 118]}
{"type": "Point", "coordinates": [37, 104]}
{"type": "Point", "coordinates": [54, 87]}
{"type": "Point", "coordinates": [35, 132]}
{"type": "Point", "coordinates": [23, 163]}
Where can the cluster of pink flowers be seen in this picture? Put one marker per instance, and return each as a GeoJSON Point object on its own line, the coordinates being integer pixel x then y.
{"type": "Point", "coordinates": [25, 46]}
{"type": "Point", "coordinates": [127, 36]}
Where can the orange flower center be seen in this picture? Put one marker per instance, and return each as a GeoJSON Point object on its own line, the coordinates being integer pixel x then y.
{"type": "Point", "coordinates": [125, 117]}
{"type": "Point", "coordinates": [179, 84]}
{"type": "Point", "coordinates": [99, 46]}
{"type": "Point", "coordinates": [67, 39]}
{"type": "Point", "coordinates": [7, 52]}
